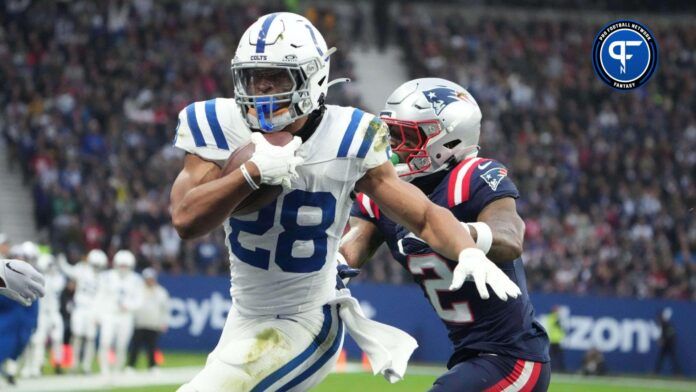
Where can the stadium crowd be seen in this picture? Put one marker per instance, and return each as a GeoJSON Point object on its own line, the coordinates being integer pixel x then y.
{"type": "Point", "coordinates": [606, 178]}
{"type": "Point", "coordinates": [90, 109]}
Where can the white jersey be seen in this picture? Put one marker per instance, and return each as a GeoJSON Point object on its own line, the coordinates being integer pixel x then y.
{"type": "Point", "coordinates": [85, 277]}
{"type": "Point", "coordinates": [54, 285]}
{"type": "Point", "coordinates": [119, 293]}
{"type": "Point", "coordinates": [283, 257]}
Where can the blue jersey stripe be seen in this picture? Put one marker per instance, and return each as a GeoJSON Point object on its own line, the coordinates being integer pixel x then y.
{"type": "Point", "coordinates": [295, 362]}
{"type": "Point", "coordinates": [261, 40]}
{"type": "Point", "coordinates": [350, 133]}
{"type": "Point", "coordinates": [211, 115]}
{"type": "Point", "coordinates": [367, 141]}
{"type": "Point", "coordinates": [193, 125]}
{"type": "Point", "coordinates": [314, 38]}
{"type": "Point", "coordinates": [319, 363]}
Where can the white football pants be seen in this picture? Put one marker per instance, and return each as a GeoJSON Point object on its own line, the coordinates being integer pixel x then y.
{"type": "Point", "coordinates": [272, 353]}
{"type": "Point", "coordinates": [83, 326]}
{"type": "Point", "coordinates": [115, 331]}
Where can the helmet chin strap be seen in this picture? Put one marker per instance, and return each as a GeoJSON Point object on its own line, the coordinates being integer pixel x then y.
{"type": "Point", "coordinates": [337, 81]}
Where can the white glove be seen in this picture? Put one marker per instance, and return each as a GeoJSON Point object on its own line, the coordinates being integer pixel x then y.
{"type": "Point", "coordinates": [473, 262]}
{"type": "Point", "coordinates": [23, 283]}
{"type": "Point", "coordinates": [276, 164]}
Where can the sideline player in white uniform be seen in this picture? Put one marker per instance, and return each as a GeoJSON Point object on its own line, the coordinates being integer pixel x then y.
{"type": "Point", "coordinates": [50, 323]}
{"type": "Point", "coordinates": [120, 295]}
{"type": "Point", "coordinates": [83, 319]}
{"type": "Point", "coordinates": [283, 331]}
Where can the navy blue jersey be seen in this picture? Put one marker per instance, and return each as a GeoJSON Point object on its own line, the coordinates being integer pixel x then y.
{"type": "Point", "coordinates": [474, 325]}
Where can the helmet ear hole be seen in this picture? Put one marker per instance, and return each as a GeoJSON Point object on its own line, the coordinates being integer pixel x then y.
{"type": "Point", "coordinates": [452, 143]}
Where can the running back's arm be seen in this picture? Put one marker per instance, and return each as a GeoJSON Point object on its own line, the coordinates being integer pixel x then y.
{"type": "Point", "coordinates": [408, 206]}
{"type": "Point", "coordinates": [201, 200]}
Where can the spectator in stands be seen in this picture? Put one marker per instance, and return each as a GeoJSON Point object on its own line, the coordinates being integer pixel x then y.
{"type": "Point", "coordinates": [151, 320]}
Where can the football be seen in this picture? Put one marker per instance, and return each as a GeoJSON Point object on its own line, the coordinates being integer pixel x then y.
{"type": "Point", "coordinates": [266, 193]}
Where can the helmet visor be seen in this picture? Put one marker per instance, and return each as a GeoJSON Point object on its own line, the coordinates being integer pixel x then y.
{"type": "Point", "coordinates": [265, 81]}
{"type": "Point", "coordinates": [409, 140]}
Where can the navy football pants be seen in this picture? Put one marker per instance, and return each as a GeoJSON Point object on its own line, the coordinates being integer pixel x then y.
{"type": "Point", "coordinates": [493, 373]}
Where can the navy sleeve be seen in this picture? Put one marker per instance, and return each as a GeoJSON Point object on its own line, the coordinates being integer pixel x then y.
{"type": "Point", "coordinates": [487, 181]}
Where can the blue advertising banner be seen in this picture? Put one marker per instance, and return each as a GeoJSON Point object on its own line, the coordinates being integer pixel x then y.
{"type": "Point", "coordinates": [625, 330]}
{"type": "Point", "coordinates": [199, 307]}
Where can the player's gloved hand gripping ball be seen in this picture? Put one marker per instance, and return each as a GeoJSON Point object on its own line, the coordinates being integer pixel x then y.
{"type": "Point", "coordinates": [473, 262]}
{"type": "Point", "coordinates": [20, 281]}
{"type": "Point", "coordinates": [276, 163]}
{"type": "Point", "coordinates": [274, 156]}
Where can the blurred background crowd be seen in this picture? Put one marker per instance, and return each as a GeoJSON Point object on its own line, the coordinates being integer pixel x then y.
{"type": "Point", "coordinates": [607, 179]}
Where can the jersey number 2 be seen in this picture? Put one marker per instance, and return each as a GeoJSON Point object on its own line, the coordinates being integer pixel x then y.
{"type": "Point", "coordinates": [292, 232]}
{"type": "Point", "coordinates": [436, 278]}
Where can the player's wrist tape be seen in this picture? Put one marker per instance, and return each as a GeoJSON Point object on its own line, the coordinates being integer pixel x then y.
{"type": "Point", "coordinates": [484, 235]}
{"type": "Point", "coordinates": [247, 177]}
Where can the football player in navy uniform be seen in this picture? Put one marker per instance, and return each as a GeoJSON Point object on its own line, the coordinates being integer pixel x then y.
{"type": "Point", "coordinates": [498, 346]}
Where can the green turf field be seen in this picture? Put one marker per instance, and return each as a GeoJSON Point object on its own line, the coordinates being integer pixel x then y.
{"type": "Point", "coordinates": [365, 382]}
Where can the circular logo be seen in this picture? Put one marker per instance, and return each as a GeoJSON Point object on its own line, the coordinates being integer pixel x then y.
{"type": "Point", "coordinates": [624, 54]}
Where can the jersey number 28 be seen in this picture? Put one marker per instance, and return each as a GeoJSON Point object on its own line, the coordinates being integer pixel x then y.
{"type": "Point", "coordinates": [292, 231]}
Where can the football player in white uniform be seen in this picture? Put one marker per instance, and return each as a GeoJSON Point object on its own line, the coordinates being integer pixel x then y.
{"type": "Point", "coordinates": [50, 323]}
{"type": "Point", "coordinates": [284, 331]}
{"type": "Point", "coordinates": [119, 296]}
{"type": "Point", "coordinates": [83, 319]}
